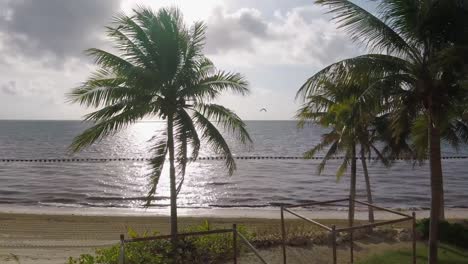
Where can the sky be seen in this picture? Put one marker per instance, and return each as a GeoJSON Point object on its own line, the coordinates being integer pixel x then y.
{"type": "Point", "coordinates": [275, 44]}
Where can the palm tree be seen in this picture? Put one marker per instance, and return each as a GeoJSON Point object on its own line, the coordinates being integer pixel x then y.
{"type": "Point", "coordinates": [419, 50]}
{"type": "Point", "coordinates": [337, 106]}
{"type": "Point", "coordinates": [160, 72]}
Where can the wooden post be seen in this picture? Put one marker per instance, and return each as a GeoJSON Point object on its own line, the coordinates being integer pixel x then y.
{"type": "Point", "coordinates": [122, 250]}
{"type": "Point", "coordinates": [351, 247]}
{"type": "Point", "coordinates": [283, 234]}
{"type": "Point", "coordinates": [234, 242]}
{"type": "Point", "coordinates": [333, 240]}
{"type": "Point", "coordinates": [414, 238]}
{"type": "Point", "coordinates": [351, 224]}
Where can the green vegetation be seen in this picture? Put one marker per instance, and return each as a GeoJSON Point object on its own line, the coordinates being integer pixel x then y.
{"type": "Point", "coordinates": [447, 255]}
{"type": "Point", "coordinates": [417, 72]}
{"type": "Point", "coordinates": [452, 233]}
{"type": "Point", "coordinates": [214, 248]}
{"type": "Point", "coordinates": [160, 72]}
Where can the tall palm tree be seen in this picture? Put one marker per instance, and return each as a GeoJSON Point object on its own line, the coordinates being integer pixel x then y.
{"type": "Point", "coordinates": [159, 71]}
{"type": "Point", "coordinates": [420, 50]}
{"type": "Point", "coordinates": [337, 106]}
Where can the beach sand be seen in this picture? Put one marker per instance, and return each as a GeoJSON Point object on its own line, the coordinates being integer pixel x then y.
{"type": "Point", "coordinates": [53, 236]}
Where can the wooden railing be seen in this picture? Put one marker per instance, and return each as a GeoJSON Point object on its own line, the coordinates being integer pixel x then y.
{"type": "Point", "coordinates": [235, 236]}
{"type": "Point", "coordinates": [334, 231]}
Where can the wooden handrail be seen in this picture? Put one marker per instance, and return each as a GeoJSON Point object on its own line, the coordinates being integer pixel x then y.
{"type": "Point", "coordinates": [308, 220]}
{"type": "Point", "coordinates": [352, 228]}
{"type": "Point", "coordinates": [316, 203]}
{"type": "Point", "coordinates": [382, 208]}
{"type": "Point", "coordinates": [252, 248]}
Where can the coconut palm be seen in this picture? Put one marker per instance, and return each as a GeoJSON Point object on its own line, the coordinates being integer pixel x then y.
{"type": "Point", "coordinates": [420, 50]}
{"type": "Point", "coordinates": [159, 71]}
{"type": "Point", "coordinates": [338, 107]}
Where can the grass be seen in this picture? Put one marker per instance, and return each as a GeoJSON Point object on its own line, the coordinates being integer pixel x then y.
{"type": "Point", "coordinates": [447, 255]}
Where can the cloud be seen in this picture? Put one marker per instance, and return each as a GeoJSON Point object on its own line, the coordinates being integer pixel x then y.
{"type": "Point", "coordinates": [9, 88]}
{"type": "Point", "coordinates": [54, 29]}
{"type": "Point", "coordinates": [276, 44]}
{"type": "Point", "coordinates": [238, 30]}
{"type": "Point", "coordinates": [41, 53]}
{"type": "Point", "coordinates": [30, 90]}
{"type": "Point", "coordinates": [301, 35]}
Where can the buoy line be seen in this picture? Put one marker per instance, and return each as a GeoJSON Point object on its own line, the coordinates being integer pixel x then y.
{"type": "Point", "coordinates": [81, 160]}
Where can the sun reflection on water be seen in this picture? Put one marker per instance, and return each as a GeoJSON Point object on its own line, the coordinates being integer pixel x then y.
{"type": "Point", "coordinates": [255, 183]}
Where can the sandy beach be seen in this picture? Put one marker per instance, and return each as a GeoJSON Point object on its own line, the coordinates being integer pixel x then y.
{"type": "Point", "coordinates": [28, 236]}
{"type": "Point", "coordinates": [52, 238]}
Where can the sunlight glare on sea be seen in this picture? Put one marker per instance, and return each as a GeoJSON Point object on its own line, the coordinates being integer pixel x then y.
{"type": "Point", "coordinates": [256, 183]}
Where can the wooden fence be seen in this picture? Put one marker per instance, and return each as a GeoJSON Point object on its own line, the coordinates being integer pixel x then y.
{"type": "Point", "coordinates": [334, 231]}
{"type": "Point", "coordinates": [235, 237]}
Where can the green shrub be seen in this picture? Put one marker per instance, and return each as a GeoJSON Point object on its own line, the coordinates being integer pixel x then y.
{"type": "Point", "coordinates": [455, 234]}
{"type": "Point", "coordinates": [215, 248]}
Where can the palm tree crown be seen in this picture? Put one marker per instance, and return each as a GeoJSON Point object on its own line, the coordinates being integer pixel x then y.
{"type": "Point", "coordinates": [351, 121]}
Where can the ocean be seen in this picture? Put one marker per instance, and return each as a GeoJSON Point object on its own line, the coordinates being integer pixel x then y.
{"type": "Point", "coordinates": [256, 182]}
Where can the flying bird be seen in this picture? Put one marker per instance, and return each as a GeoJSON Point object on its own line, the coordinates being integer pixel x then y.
{"type": "Point", "coordinates": [263, 110]}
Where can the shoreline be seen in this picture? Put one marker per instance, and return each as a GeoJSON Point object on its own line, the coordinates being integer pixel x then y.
{"type": "Point", "coordinates": [224, 213]}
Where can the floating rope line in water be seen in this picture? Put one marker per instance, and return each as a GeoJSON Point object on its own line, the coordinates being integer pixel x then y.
{"type": "Point", "coordinates": [84, 160]}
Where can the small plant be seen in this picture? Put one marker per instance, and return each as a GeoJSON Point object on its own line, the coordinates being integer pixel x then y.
{"type": "Point", "coordinates": [215, 248]}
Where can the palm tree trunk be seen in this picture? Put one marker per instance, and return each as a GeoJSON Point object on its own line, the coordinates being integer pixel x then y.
{"type": "Point", "coordinates": [172, 176]}
{"type": "Point", "coordinates": [436, 189]}
{"type": "Point", "coordinates": [442, 200]}
{"type": "Point", "coordinates": [368, 186]}
{"type": "Point", "coordinates": [352, 187]}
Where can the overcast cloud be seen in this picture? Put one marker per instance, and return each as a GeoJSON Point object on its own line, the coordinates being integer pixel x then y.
{"type": "Point", "coordinates": [276, 44]}
{"type": "Point", "coordinates": [54, 29]}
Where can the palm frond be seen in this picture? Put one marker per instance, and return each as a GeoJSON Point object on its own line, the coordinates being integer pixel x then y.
{"type": "Point", "coordinates": [404, 16]}
{"type": "Point", "coordinates": [327, 139]}
{"type": "Point", "coordinates": [304, 116]}
{"type": "Point", "coordinates": [353, 70]}
{"type": "Point", "coordinates": [461, 128]}
{"type": "Point", "coordinates": [387, 86]}
{"type": "Point", "coordinates": [332, 151]}
{"type": "Point", "coordinates": [109, 61]}
{"type": "Point", "coordinates": [385, 161]}
{"type": "Point", "coordinates": [196, 42]}
{"type": "Point", "coordinates": [185, 134]}
{"type": "Point", "coordinates": [101, 91]}
{"type": "Point", "coordinates": [209, 87]}
{"type": "Point", "coordinates": [361, 25]}
{"type": "Point", "coordinates": [215, 139]}
{"type": "Point", "coordinates": [157, 165]}
{"type": "Point", "coordinates": [420, 137]}
{"type": "Point", "coordinates": [107, 126]}
{"type": "Point", "coordinates": [192, 58]}
{"type": "Point", "coordinates": [342, 168]}
{"type": "Point", "coordinates": [227, 119]}
{"type": "Point", "coordinates": [108, 112]}
{"type": "Point", "coordinates": [131, 47]}
{"type": "Point", "coordinates": [130, 27]}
